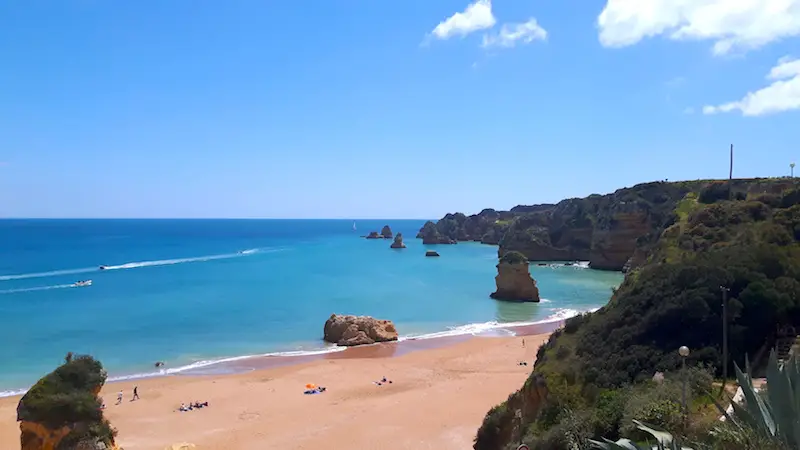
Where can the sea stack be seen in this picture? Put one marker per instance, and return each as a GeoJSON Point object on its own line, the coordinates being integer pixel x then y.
{"type": "Point", "coordinates": [513, 280]}
{"type": "Point", "coordinates": [386, 232]}
{"type": "Point", "coordinates": [398, 241]}
{"type": "Point", "coordinates": [431, 253]}
{"type": "Point", "coordinates": [358, 330]}
{"type": "Point", "coordinates": [374, 235]}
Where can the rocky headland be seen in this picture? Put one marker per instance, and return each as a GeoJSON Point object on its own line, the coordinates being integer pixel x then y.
{"type": "Point", "coordinates": [358, 330]}
{"type": "Point", "coordinates": [513, 280]}
{"type": "Point", "coordinates": [614, 231]}
{"type": "Point", "coordinates": [681, 242]}
{"type": "Point", "coordinates": [63, 410]}
{"type": "Point", "coordinates": [398, 241]}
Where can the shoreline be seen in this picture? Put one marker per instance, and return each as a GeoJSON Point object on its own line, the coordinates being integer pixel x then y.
{"type": "Point", "coordinates": [440, 393]}
{"type": "Point", "coordinates": [248, 363]}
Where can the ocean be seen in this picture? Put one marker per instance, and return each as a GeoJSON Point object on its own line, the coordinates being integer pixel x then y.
{"type": "Point", "coordinates": [195, 292]}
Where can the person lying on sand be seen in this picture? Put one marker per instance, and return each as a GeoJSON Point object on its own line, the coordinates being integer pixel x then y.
{"type": "Point", "coordinates": [316, 390]}
{"type": "Point", "coordinates": [383, 380]}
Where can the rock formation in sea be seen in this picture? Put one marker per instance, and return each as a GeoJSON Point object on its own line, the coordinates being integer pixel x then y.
{"type": "Point", "coordinates": [358, 330]}
{"type": "Point", "coordinates": [431, 253]}
{"type": "Point", "coordinates": [513, 280]}
{"type": "Point", "coordinates": [386, 232]}
{"type": "Point", "coordinates": [63, 410]}
{"type": "Point", "coordinates": [398, 241]}
{"type": "Point", "coordinates": [430, 235]}
{"type": "Point", "coordinates": [374, 235]}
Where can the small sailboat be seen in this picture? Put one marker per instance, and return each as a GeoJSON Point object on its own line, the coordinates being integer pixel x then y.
{"type": "Point", "coordinates": [354, 225]}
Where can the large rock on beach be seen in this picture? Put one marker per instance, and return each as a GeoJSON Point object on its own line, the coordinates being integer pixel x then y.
{"type": "Point", "coordinates": [398, 241]}
{"type": "Point", "coordinates": [62, 410]}
{"type": "Point", "coordinates": [386, 232]}
{"type": "Point", "coordinates": [514, 281]}
{"type": "Point", "coordinates": [358, 330]}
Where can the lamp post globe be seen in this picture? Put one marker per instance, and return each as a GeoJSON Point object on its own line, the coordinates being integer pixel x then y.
{"type": "Point", "coordinates": [683, 351]}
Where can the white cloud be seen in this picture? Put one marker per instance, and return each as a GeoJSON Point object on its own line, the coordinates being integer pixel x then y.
{"type": "Point", "coordinates": [782, 95]}
{"type": "Point", "coordinates": [477, 16]}
{"type": "Point", "coordinates": [510, 34]}
{"type": "Point", "coordinates": [731, 24]}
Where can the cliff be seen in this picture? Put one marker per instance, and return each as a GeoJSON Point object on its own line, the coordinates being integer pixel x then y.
{"type": "Point", "coordinates": [513, 280]}
{"type": "Point", "coordinates": [62, 410]}
{"type": "Point", "coordinates": [613, 232]}
{"type": "Point", "coordinates": [358, 330]}
{"type": "Point", "coordinates": [750, 244]}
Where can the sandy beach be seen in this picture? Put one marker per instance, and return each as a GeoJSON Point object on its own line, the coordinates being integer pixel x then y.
{"type": "Point", "coordinates": [437, 400]}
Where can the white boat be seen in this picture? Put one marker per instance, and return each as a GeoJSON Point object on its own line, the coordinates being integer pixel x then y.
{"type": "Point", "coordinates": [82, 283]}
{"type": "Point", "coordinates": [354, 226]}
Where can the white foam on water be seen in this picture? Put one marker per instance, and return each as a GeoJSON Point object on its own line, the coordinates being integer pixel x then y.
{"type": "Point", "coordinates": [39, 288]}
{"type": "Point", "coordinates": [135, 265]}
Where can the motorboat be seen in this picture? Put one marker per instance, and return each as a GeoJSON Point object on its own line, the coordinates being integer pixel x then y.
{"type": "Point", "coordinates": [103, 267]}
{"type": "Point", "coordinates": [82, 283]}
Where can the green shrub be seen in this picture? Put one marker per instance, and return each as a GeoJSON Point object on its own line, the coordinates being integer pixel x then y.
{"type": "Point", "coordinates": [654, 404]}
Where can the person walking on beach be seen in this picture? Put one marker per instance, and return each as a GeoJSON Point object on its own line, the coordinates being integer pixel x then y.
{"type": "Point", "coordinates": [135, 393]}
{"type": "Point", "coordinates": [119, 397]}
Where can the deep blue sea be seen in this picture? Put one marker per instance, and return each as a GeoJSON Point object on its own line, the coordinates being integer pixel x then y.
{"type": "Point", "coordinates": [190, 292]}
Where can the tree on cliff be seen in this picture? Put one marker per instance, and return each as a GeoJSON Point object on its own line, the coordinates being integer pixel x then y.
{"type": "Point", "coordinates": [67, 397]}
{"type": "Point", "coordinates": [514, 258]}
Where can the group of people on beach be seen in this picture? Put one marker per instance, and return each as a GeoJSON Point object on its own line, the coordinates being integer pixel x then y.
{"type": "Point", "coordinates": [192, 406]}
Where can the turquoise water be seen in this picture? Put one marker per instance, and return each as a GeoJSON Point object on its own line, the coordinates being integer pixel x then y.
{"type": "Point", "coordinates": [193, 291]}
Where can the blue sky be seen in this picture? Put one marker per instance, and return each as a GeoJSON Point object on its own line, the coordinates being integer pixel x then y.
{"type": "Point", "coordinates": [389, 109]}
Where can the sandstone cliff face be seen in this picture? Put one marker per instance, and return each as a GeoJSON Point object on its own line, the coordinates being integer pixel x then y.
{"type": "Point", "coordinates": [430, 235]}
{"type": "Point", "coordinates": [514, 281]}
{"type": "Point", "coordinates": [62, 410]}
{"type": "Point", "coordinates": [487, 227]}
{"type": "Point", "coordinates": [386, 232]}
{"type": "Point", "coordinates": [358, 330]}
{"type": "Point", "coordinates": [500, 426]}
{"type": "Point", "coordinates": [398, 241]}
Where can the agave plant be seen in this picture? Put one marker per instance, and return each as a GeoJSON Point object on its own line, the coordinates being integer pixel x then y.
{"type": "Point", "coordinates": [664, 441]}
{"type": "Point", "coordinates": [776, 417]}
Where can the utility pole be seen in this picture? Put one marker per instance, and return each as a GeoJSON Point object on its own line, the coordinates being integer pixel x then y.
{"type": "Point", "coordinates": [730, 178]}
{"type": "Point", "coordinates": [725, 291]}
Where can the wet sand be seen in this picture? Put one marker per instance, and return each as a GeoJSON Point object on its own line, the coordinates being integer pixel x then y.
{"type": "Point", "coordinates": [440, 391]}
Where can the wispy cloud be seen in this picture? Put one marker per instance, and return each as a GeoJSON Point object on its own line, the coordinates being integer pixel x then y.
{"type": "Point", "coordinates": [511, 34]}
{"type": "Point", "coordinates": [783, 94]}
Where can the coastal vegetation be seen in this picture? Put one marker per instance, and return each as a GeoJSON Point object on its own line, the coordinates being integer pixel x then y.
{"type": "Point", "coordinates": [595, 376]}
{"type": "Point", "coordinates": [63, 410]}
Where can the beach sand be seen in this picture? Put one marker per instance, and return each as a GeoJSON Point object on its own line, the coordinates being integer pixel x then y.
{"type": "Point", "coordinates": [439, 396]}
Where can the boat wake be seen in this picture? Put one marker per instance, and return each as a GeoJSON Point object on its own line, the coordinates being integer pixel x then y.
{"type": "Point", "coordinates": [136, 265]}
{"type": "Point", "coordinates": [34, 289]}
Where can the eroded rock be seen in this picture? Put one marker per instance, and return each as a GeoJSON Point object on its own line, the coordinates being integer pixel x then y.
{"type": "Point", "coordinates": [513, 280]}
{"type": "Point", "coordinates": [398, 241]}
{"type": "Point", "coordinates": [345, 330]}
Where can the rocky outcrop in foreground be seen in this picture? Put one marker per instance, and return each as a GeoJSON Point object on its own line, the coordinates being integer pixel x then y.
{"type": "Point", "coordinates": [398, 241]}
{"type": "Point", "coordinates": [63, 411]}
{"type": "Point", "coordinates": [358, 330]}
{"type": "Point", "coordinates": [514, 281]}
{"type": "Point", "coordinates": [386, 232]}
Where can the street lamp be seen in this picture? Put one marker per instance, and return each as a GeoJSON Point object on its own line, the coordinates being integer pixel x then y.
{"type": "Point", "coordinates": [725, 291]}
{"type": "Point", "coordinates": [684, 352]}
